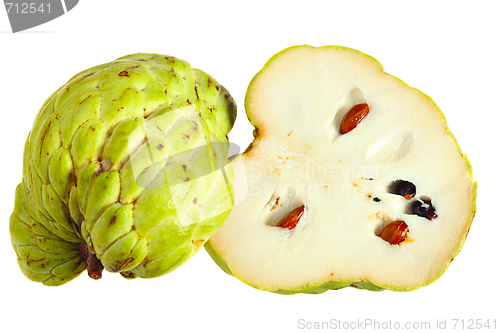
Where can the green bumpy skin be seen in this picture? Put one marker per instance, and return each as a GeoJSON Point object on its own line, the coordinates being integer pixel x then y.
{"type": "Point", "coordinates": [129, 159]}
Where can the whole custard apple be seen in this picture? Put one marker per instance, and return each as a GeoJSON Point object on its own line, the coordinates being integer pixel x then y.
{"type": "Point", "coordinates": [124, 169]}
{"type": "Point", "coordinates": [353, 179]}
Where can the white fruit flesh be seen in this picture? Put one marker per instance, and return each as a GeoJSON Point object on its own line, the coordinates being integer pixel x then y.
{"type": "Point", "coordinates": [300, 158]}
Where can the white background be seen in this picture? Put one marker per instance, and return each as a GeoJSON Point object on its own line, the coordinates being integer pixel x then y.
{"type": "Point", "coordinates": [447, 49]}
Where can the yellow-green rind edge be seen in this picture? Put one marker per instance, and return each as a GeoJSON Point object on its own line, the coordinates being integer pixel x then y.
{"type": "Point", "coordinates": [332, 284]}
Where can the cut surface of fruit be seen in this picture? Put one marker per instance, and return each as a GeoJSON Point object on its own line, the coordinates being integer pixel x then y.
{"type": "Point", "coordinates": [399, 155]}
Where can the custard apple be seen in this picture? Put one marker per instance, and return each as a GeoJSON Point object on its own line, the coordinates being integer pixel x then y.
{"type": "Point", "coordinates": [124, 169]}
{"type": "Point", "coordinates": [353, 179]}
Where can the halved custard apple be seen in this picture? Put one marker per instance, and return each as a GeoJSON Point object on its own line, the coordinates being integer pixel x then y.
{"type": "Point", "coordinates": [353, 179]}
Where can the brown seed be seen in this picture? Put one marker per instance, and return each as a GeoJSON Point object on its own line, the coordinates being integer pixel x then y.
{"type": "Point", "coordinates": [395, 232]}
{"type": "Point", "coordinates": [353, 117]}
{"type": "Point", "coordinates": [291, 220]}
{"type": "Point", "coordinates": [431, 216]}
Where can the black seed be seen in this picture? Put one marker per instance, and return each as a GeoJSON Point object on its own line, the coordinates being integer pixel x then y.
{"type": "Point", "coordinates": [376, 199]}
{"type": "Point", "coordinates": [406, 189]}
{"type": "Point", "coordinates": [424, 208]}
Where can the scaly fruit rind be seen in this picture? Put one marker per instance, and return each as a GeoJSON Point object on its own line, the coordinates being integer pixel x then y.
{"type": "Point", "coordinates": [85, 180]}
{"type": "Point", "coordinates": [43, 256]}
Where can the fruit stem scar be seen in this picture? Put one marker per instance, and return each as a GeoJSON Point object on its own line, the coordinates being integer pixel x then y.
{"type": "Point", "coordinates": [94, 265]}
